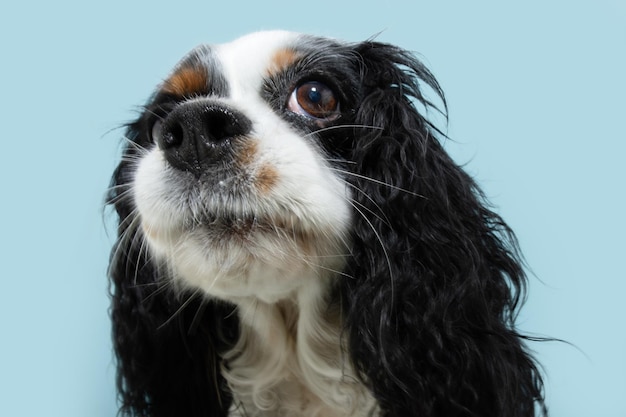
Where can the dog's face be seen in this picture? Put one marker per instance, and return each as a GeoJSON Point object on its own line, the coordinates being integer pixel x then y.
{"type": "Point", "coordinates": [240, 187]}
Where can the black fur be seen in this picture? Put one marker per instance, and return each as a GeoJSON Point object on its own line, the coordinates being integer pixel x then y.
{"type": "Point", "coordinates": [430, 293]}
{"type": "Point", "coordinates": [432, 328]}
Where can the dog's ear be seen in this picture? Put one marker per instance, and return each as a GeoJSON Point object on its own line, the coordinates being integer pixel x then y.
{"type": "Point", "coordinates": [435, 280]}
{"type": "Point", "coordinates": [167, 344]}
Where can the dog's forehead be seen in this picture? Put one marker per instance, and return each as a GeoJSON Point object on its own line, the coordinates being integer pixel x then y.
{"type": "Point", "coordinates": [234, 67]}
{"type": "Point", "coordinates": [255, 51]}
{"type": "Point", "coordinates": [247, 61]}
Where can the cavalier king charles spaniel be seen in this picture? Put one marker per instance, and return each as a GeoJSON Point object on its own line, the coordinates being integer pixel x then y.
{"type": "Point", "coordinates": [294, 241]}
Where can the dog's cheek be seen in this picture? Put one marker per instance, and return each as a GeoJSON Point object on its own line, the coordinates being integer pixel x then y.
{"type": "Point", "coordinates": [295, 178]}
{"type": "Point", "coordinates": [156, 211]}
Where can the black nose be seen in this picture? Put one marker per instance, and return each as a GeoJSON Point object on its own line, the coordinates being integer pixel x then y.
{"type": "Point", "coordinates": [197, 135]}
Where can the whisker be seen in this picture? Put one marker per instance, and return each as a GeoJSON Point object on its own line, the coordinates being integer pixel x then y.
{"type": "Point", "coordinates": [131, 158]}
{"type": "Point", "coordinates": [328, 128]}
{"type": "Point", "coordinates": [328, 269]}
{"type": "Point", "coordinates": [382, 245]}
{"type": "Point", "coordinates": [148, 110]}
{"type": "Point", "coordinates": [136, 240]}
{"type": "Point", "coordinates": [342, 161]}
{"type": "Point", "coordinates": [143, 248]}
{"type": "Point", "coordinates": [145, 285]}
{"type": "Point", "coordinates": [384, 219]}
{"type": "Point", "coordinates": [179, 310]}
{"type": "Point", "coordinates": [342, 171]}
{"type": "Point", "coordinates": [119, 196]}
{"type": "Point", "coordinates": [122, 247]}
{"type": "Point", "coordinates": [118, 186]}
{"type": "Point", "coordinates": [130, 142]}
{"type": "Point", "coordinates": [162, 287]}
{"type": "Point", "coordinates": [195, 321]}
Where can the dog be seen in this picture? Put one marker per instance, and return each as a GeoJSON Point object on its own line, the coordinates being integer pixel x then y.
{"type": "Point", "coordinates": [293, 240]}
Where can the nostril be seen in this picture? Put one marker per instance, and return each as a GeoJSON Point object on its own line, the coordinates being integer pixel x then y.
{"type": "Point", "coordinates": [220, 124]}
{"type": "Point", "coordinates": [168, 136]}
{"type": "Point", "coordinates": [174, 136]}
{"type": "Point", "coordinates": [157, 131]}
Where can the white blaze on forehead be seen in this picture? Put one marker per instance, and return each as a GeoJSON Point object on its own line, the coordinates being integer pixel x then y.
{"type": "Point", "coordinates": [246, 60]}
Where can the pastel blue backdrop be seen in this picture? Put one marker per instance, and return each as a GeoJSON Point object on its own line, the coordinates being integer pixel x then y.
{"type": "Point", "coordinates": [536, 92]}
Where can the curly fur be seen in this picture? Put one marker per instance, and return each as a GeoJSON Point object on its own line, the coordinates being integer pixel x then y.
{"type": "Point", "coordinates": [421, 314]}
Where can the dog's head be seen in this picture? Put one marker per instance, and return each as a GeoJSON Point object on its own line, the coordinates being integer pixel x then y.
{"type": "Point", "coordinates": [291, 167]}
{"type": "Point", "coordinates": [240, 187]}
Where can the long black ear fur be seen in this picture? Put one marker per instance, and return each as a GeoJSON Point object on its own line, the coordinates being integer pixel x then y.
{"type": "Point", "coordinates": [436, 279]}
{"type": "Point", "coordinates": [167, 344]}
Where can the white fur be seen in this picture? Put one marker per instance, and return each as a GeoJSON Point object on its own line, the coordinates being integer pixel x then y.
{"type": "Point", "coordinates": [289, 360]}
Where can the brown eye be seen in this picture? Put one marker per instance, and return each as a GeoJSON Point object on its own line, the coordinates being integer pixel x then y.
{"type": "Point", "coordinates": [315, 100]}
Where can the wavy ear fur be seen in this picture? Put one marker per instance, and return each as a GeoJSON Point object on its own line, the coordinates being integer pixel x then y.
{"type": "Point", "coordinates": [436, 277]}
{"type": "Point", "coordinates": [167, 344]}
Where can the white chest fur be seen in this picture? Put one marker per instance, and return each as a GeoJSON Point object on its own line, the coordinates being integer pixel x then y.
{"type": "Point", "coordinates": [289, 362]}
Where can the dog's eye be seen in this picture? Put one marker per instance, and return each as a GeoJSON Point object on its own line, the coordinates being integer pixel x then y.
{"type": "Point", "coordinates": [315, 100]}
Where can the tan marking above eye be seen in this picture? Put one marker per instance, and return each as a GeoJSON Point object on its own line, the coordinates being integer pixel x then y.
{"type": "Point", "coordinates": [282, 59]}
{"type": "Point", "coordinates": [187, 81]}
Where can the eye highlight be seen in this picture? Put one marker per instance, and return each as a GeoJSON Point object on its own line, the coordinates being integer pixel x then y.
{"type": "Point", "coordinates": [315, 100]}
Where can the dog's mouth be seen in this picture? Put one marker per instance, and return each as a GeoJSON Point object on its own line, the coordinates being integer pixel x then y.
{"type": "Point", "coordinates": [239, 224]}
{"type": "Point", "coordinates": [228, 226]}
{"type": "Point", "coordinates": [247, 225]}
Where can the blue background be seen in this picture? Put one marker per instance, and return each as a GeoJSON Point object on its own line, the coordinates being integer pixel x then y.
{"type": "Point", "coordinates": [536, 92]}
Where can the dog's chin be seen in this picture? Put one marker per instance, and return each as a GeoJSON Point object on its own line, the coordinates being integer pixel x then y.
{"type": "Point", "coordinates": [221, 244]}
{"type": "Point", "coordinates": [269, 259]}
